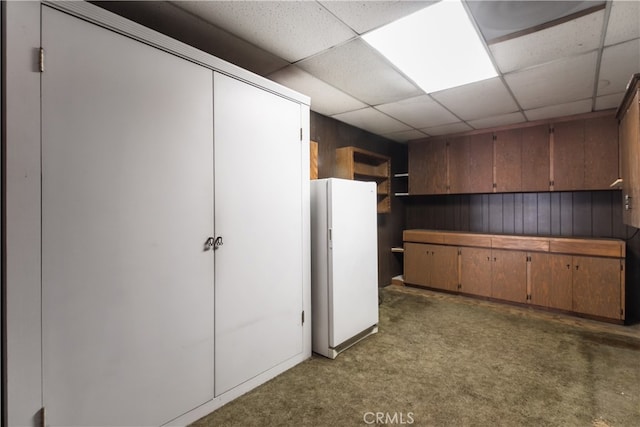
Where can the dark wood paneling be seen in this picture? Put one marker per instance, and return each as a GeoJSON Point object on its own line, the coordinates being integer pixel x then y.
{"type": "Point", "coordinates": [544, 213]}
{"type": "Point", "coordinates": [331, 134]}
{"type": "Point", "coordinates": [496, 217]}
{"type": "Point", "coordinates": [530, 213]}
{"type": "Point", "coordinates": [508, 213]}
{"type": "Point", "coordinates": [566, 214]}
{"type": "Point", "coordinates": [555, 213]}
{"type": "Point", "coordinates": [602, 213]}
{"type": "Point", "coordinates": [518, 214]}
{"type": "Point", "coordinates": [582, 220]}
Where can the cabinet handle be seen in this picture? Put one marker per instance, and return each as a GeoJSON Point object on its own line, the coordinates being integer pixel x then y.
{"type": "Point", "coordinates": [577, 267]}
{"type": "Point", "coordinates": [488, 259]}
{"type": "Point", "coordinates": [568, 266]}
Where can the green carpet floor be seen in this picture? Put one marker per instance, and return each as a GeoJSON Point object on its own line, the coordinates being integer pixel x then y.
{"type": "Point", "coordinates": [445, 361]}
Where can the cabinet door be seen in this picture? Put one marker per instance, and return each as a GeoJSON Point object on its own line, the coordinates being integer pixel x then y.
{"type": "Point", "coordinates": [630, 160]}
{"type": "Point", "coordinates": [508, 157]}
{"type": "Point", "coordinates": [568, 155]}
{"type": "Point", "coordinates": [551, 280]}
{"type": "Point", "coordinates": [475, 273]}
{"type": "Point", "coordinates": [535, 158]}
{"type": "Point", "coordinates": [127, 205]}
{"type": "Point", "coordinates": [258, 289]}
{"type": "Point", "coordinates": [417, 264]}
{"type": "Point", "coordinates": [596, 286]}
{"type": "Point", "coordinates": [600, 153]}
{"type": "Point", "coordinates": [471, 164]}
{"type": "Point", "coordinates": [509, 275]}
{"type": "Point", "coordinates": [428, 167]}
{"type": "Point", "coordinates": [444, 273]}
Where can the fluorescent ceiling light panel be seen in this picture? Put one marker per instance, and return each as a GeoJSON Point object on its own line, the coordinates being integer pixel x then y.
{"type": "Point", "coordinates": [437, 47]}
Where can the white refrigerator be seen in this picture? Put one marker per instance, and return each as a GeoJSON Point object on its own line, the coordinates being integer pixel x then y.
{"type": "Point", "coordinates": [344, 263]}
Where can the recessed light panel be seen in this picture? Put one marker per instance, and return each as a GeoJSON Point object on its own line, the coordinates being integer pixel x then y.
{"type": "Point", "coordinates": [437, 47]}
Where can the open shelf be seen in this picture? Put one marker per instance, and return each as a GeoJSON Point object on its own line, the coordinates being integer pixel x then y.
{"type": "Point", "coordinates": [363, 165]}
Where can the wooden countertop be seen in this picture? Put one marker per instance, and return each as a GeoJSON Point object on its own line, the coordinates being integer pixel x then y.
{"type": "Point", "coordinates": [613, 248]}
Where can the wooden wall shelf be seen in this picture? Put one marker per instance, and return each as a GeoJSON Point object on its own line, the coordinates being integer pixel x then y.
{"type": "Point", "coordinates": [363, 165]}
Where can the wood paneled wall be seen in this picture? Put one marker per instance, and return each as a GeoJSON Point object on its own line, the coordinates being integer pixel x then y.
{"type": "Point", "coordinates": [579, 213]}
{"type": "Point", "coordinates": [331, 134]}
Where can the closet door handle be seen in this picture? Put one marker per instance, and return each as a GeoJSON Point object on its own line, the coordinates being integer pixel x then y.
{"type": "Point", "coordinates": [213, 243]}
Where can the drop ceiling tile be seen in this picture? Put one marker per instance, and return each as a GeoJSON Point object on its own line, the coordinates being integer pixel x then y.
{"type": "Point", "coordinates": [568, 39]}
{"type": "Point", "coordinates": [325, 99]}
{"type": "Point", "coordinates": [609, 101]}
{"type": "Point", "coordinates": [500, 18]}
{"type": "Point", "coordinates": [172, 21]}
{"type": "Point", "coordinates": [290, 29]}
{"type": "Point", "coordinates": [447, 129]}
{"type": "Point", "coordinates": [363, 16]}
{"type": "Point", "coordinates": [568, 109]}
{"type": "Point", "coordinates": [618, 64]}
{"type": "Point", "coordinates": [372, 120]}
{"type": "Point", "coordinates": [360, 71]}
{"type": "Point", "coordinates": [501, 120]}
{"type": "Point", "coordinates": [406, 135]}
{"type": "Point", "coordinates": [419, 112]}
{"type": "Point", "coordinates": [469, 102]}
{"type": "Point", "coordinates": [557, 82]}
{"type": "Point", "coordinates": [624, 22]}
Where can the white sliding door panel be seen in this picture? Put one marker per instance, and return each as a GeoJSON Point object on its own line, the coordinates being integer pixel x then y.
{"type": "Point", "coordinates": [259, 277]}
{"type": "Point", "coordinates": [353, 259]}
{"type": "Point", "coordinates": [127, 204]}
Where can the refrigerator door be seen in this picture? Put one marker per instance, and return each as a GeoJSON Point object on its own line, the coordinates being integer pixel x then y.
{"type": "Point", "coordinates": [353, 259]}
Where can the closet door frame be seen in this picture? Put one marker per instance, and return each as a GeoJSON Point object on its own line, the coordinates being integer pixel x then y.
{"type": "Point", "coordinates": [21, 269]}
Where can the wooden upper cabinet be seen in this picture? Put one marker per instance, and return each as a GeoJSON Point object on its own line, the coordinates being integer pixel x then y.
{"type": "Point", "coordinates": [600, 152]}
{"type": "Point", "coordinates": [585, 154]}
{"type": "Point", "coordinates": [428, 167]}
{"type": "Point", "coordinates": [629, 117]}
{"type": "Point", "coordinates": [471, 164]}
{"type": "Point", "coordinates": [568, 155]}
{"type": "Point", "coordinates": [535, 158]}
{"type": "Point", "coordinates": [508, 161]}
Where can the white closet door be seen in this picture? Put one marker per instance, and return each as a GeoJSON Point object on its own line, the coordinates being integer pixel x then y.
{"type": "Point", "coordinates": [127, 204]}
{"type": "Point", "coordinates": [258, 214]}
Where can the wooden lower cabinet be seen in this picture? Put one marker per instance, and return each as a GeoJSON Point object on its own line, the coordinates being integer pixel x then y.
{"type": "Point", "coordinates": [435, 266]}
{"type": "Point", "coordinates": [417, 268]}
{"type": "Point", "coordinates": [509, 275]}
{"type": "Point", "coordinates": [583, 276]}
{"type": "Point", "coordinates": [597, 286]}
{"type": "Point", "coordinates": [550, 280]}
{"type": "Point", "coordinates": [475, 271]}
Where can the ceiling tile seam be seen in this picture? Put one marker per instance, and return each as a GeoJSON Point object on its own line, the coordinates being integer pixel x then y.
{"type": "Point", "coordinates": [549, 24]}
{"type": "Point", "coordinates": [603, 34]}
{"type": "Point", "coordinates": [491, 58]}
{"type": "Point", "coordinates": [550, 106]}
{"type": "Point", "coordinates": [561, 59]}
{"type": "Point", "coordinates": [337, 18]}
